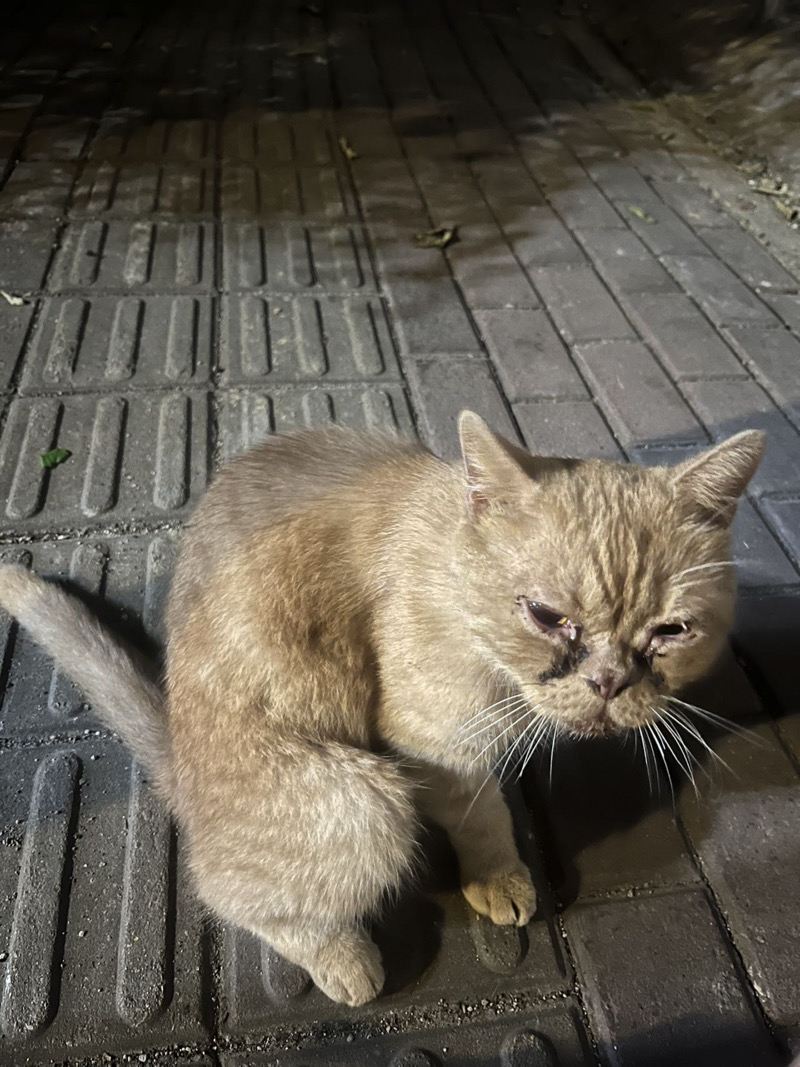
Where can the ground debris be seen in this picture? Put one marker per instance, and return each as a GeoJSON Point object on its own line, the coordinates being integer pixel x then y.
{"type": "Point", "coordinates": [347, 149]}
{"type": "Point", "coordinates": [440, 237]}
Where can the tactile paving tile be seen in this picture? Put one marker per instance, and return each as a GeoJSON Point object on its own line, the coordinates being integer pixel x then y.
{"type": "Point", "coordinates": [274, 339]}
{"type": "Point", "coordinates": [102, 941]}
{"type": "Point", "coordinates": [125, 580]}
{"type": "Point", "coordinates": [140, 456]}
{"type": "Point", "coordinates": [245, 418]}
{"type": "Point", "coordinates": [136, 189]}
{"type": "Point", "coordinates": [275, 192]}
{"type": "Point", "coordinates": [293, 256]}
{"type": "Point", "coordinates": [104, 342]}
{"type": "Point", "coordinates": [125, 255]}
{"type": "Point", "coordinates": [541, 1036]}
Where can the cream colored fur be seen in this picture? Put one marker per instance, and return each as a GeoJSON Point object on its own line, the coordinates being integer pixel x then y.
{"type": "Point", "coordinates": [344, 609]}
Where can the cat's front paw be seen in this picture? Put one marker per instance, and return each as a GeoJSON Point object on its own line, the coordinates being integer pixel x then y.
{"type": "Point", "coordinates": [507, 897]}
{"type": "Point", "coordinates": [348, 969]}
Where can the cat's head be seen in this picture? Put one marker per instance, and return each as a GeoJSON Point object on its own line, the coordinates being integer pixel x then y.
{"type": "Point", "coordinates": [597, 589]}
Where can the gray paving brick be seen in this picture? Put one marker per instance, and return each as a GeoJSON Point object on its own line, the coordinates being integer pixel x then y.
{"type": "Point", "coordinates": [725, 299]}
{"type": "Point", "coordinates": [292, 256]}
{"type": "Point", "coordinates": [787, 306]}
{"type": "Point", "coordinates": [278, 339]}
{"type": "Point", "coordinates": [133, 457]}
{"type": "Point", "coordinates": [538, 237]}
{"type": "Point", "coordinates": [442, 387]}
{"type": "Point", "coordinates": [566, 428]}
{"type": "Point", "coordinates": [773, 356]}
{"type": "Point", "coordinates": [267, 138]}
{"type": "Point", "coordinates": [744, 825]}
{"type": "Point", "coordinates": [505, 181]}
{"type": "Point", "coordinates": [682, 337]}
{"type": "Point", "coordinates": [550, 1036]}
{"type": "Point", "coordinates": [727, 407]}
{"type": "Point", "coordinates": [582, 206]}
{"type": "Point", "coordinates": [15, 323]}
{"type": "Point", "coordinates": [80, 343]}
{"type": "Point", "coordinates": [759, 557]}
{"type": "Point", "coordinates": [253, 193]}
{"type": "Point", "coordinates": [691, 203]}
{"type": "Point", "coordinates": [245, 418]}
{"type": "Point", "coordinates": [126, 579]}
{"type": "Point", "coordinates": [137, 189]}
{"type": "Point", "coordinates": [691, 1009]}
{"type": "Point", "coordinates": [581, 305]}
{"type": "Point", "coordinates": [102, 936]}
{"type": "Point", "coordinates": [128, 255]}
{"type": "Point", "coordinates": [387, 191]}
{"type": "Point", "coordinates": [429, 314]}
{"type": "Point", "coordinates": [641, 402]}
{"type": "Point", "coordinates": [56, 137]}
{"type": "Point", "coordinates": [487, 271]}
{"type": "Point", "coordinates": [37, 191]}
{"type": "Point", "coordinates": [785, 518]}
{"type": "Point", "coordinates": [530, 358]}
{"type": "Point", "coordinates": [625, 263]}
{"type": "Point", "coordinates": [26, 249]}
{"type": "Point", "coordinates": [748, 258]}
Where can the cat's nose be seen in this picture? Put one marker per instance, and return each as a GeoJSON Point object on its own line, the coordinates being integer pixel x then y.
{"type": "Point", "coordinates": [608, 684]}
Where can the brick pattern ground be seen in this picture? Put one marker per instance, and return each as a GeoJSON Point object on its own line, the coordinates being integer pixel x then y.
{"type": "Point", "coordinates": [207, 233]}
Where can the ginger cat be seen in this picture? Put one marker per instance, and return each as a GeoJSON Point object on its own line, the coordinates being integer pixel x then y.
{"type": "Point", "coordinates": [357, 631]}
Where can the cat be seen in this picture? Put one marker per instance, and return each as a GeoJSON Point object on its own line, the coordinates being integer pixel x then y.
{"type": "Point", "coordinates": [357, 630]}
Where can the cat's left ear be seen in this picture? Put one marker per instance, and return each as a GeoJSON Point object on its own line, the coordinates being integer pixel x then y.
{"type": "Point", "coordinates": [712, 482]}
{"type": "Point", "coordinates": [493, 477]}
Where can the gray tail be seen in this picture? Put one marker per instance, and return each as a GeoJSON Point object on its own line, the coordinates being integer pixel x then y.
{"type": "Point", "coordinates": [118, 690]}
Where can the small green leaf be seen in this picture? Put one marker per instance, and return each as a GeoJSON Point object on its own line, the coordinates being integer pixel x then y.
{"type": "Point", "coordinates": [54, 457]}
{"type": "Point", "coordinates": [640, 213]}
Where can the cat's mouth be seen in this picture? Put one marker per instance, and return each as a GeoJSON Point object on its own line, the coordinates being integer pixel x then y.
{"type": "Point", "coordinates": [600, 724]}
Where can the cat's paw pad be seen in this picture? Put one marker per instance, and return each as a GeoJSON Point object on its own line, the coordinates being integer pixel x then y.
{"type": "Point", "coordinates": [507, 897]}
{"type": "Point", "coordinates": [349, 970]}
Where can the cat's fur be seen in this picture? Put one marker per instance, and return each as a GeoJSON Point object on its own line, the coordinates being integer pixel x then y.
{"type": "Point", "coordinates": [344, 607]}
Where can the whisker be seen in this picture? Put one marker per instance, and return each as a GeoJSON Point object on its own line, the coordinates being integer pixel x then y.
{"type": "Point", "coordinates": [695, 733]}
{"type": "Point", "coordinates": [553, 750]}
{"type": "Point", "coordinates": [486, 713]}
{"type": "Point", "coordinates": [645, 753]}
{"type": "Point", "coordinates": [520, 713]}
{"type": "Point", "coordinates": [680, 753]}
{"type": "Point", "coordinates": [718, 720]}
{"type": "Point", "coordinates": [495, 721]}
{"type": "Point", "coordinates": [515, 746]}
{"type": "Point", "coordinates": [533, 744]}
{"type": "Point", "coordinates": [705, 566]}
{"type": "Point", "coordinates": [659, 740]}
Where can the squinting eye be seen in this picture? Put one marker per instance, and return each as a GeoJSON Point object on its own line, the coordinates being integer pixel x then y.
{"type": "Point", "coordinates": [547, 619]}
{"type": "Point", "coordinates": [671, 629]}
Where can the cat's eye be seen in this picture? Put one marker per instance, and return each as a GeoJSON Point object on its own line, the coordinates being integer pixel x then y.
{"type": "Point", "coordinates": [547, 619]}
{"type": "Point", "coordinates": [669, 633]}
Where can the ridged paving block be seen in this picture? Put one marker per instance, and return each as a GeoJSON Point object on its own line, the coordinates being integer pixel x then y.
{"type": "Point", "coordinates": [127, 135]}
{"type": "Point", "coordinates": [292, 256]}
{"type": "Point", "coordinates": [544, 1036]}
{"type": "Point", "coordinates": [246, 418]}
{"type": "Point", "coordinates": [104, 342]}
{"type": "Point", "coordinates": [661, 984]}
{"type": "Point", "coordinates": [265, 338]}
{"type": "Point", "coordinates": [433, 947]}
{"type": "Point", "coordinates": [133, 457]}
{"type": "Point", "coordinates": [263, 137]}
{"type": "Point", "coordinates": [744, 829]}
{"type": "Point", "coordinates": [143, 189]}
{"type": "Point", "coordinates": [103, 942]}
{"type": "Point", "coordinates": [126, 255]}
{"type": "Point", "coordinates": [125, 580]}
{"type": "Point", "coordinates": [275, 191]}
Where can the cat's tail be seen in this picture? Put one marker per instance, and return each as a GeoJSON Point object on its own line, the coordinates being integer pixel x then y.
{"type": "Point", "coordinates": [117, 688]}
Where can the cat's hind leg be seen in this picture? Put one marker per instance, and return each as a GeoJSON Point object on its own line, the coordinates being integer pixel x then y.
{"type": "Point", "coordinates": [309, 847]}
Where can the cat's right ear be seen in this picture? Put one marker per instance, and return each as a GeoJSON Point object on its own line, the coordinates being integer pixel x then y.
{"type": "Point", "coordinates": [492, 477]}
{"type": "Point", "coordinates": [712, 482]}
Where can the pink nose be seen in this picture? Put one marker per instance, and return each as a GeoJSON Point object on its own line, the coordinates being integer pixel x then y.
{"type": "Point", "coordinates": [608, 684]}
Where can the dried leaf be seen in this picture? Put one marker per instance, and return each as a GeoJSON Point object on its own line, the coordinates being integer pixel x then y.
{"type": "Point", "coordinates": [439, 238]}
{"type": "Point", "coordinates": [347, 149]}
{"type": "Point", "coordinates": [640, 213]}
{"type": "Point", "coordinates": [768, 186]}
{"type": "Point", "coordinates": [14, 301]}
{"type": "Point", "coordinates": [54, 457]}
{"type": "Point", "coordinates": [312, 9]}
{"type": "Point", "coordinates": [789, 211]}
